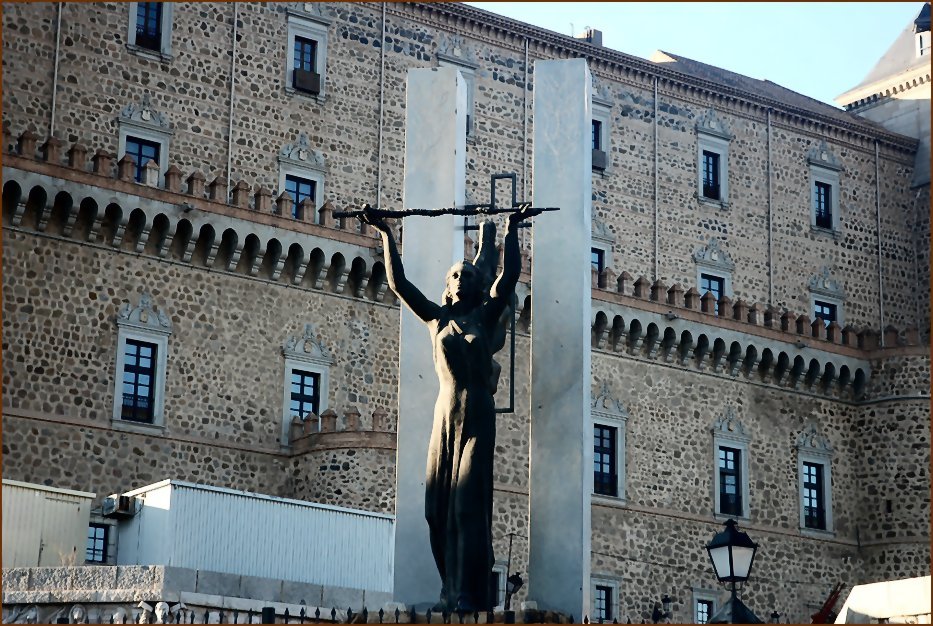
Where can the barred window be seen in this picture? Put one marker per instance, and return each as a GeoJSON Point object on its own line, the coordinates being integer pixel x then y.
{"type": "Point", "coordinates": [149, 25]}
{"type": "Point", "coordinates": [814, 510]}
{"type": "Point", "coordinates": [603, 605]}
{"type": "Point", "coordinates": [139, 372]}
{"type": "Point", "coordinates": [299, 188]}
{"type": "Point", "coordinates": [141, 151]}
{"type": "Point", "coordinates": [305, 393]}
{"type": "Point", "coordinates": [730, 481]}
{"type": "Point", "coordinates": [97, 543]}
{"type": "Point", "coordinates": [823, 204]}
{"type": "Point", "coordinates": [604, 460]}
{"type": "Point", "coordinates": [710, 168]}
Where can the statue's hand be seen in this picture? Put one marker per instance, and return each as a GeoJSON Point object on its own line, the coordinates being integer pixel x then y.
{"type": "Point", "coordinates": [370, 217]}
{"type": "Point", "coordinates": [525, 211]}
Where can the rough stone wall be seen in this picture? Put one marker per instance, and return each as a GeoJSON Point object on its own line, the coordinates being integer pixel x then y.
{"type": "Point", "coordinates": [193, 90]}
{"type": "Point", "coordinates": [224, 388]}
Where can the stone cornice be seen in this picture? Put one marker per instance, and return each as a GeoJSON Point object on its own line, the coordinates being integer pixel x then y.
{"type": "Point", "coordinates": [867, 95]}
{"type": "Point", "coordinates": [490, 24]}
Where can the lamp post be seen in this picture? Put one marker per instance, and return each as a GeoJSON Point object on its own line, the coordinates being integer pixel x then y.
{"type": "Point", "coordinates": [732, 553]}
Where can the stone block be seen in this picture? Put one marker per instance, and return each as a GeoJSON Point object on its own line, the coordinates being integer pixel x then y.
{"type": "Point", "coordinates": [372, 600]}
{"type": "Point", "coordinates": [178, 579]}
{"type": "Point", "coordinates": [342, 597]}
{"type": "Point", "coordinates": [94, 578]}
{"type": "Point", "coordinates": [50, 579]}
{"type": "Point", "coordinates": [217, 583]}
{"type": "Point", "coordinates": [15, 579]}
{"type": "Point", "coordinates": [296, 592]}
{"type": "Point", "coordinates": [260, 588]}
{"type": "Point", "coordinates": [139, 577]}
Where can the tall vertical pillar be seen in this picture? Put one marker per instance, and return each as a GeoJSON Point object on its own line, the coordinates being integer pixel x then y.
{"type": "Point", "coordinates": [435, 171]}
{"type": "Point", "coordinates": [561, 441]}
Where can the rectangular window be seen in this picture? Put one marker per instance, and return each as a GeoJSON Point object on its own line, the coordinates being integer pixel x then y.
{"type": "Point", "coordinates": [603, 604]}
{"type": "Point", "coordinates": [598, 260]}
{"type": "Point", "coordinates": [826, 310]}
{"type": "Point", "coordinates": [96, 543]}
{"type": "Point", "coordinates": [823, 204]}
{"type": "Point", "coordinates": [141, 151]}
{"type": "Point", "coordinates": [704, 611]}
{"type": "Point", "coordinates": [305, 394]}
{"type": "Point", "coordinates": [305, 76]}
{"type": "Point", "coordinates": [605, 479]}
{"type": "Point", "coordinates": [597, 135]}
{"type": "Point", "coordinates": [149, 25]}
{"type": "Point", "coordinates": [814, 511]}
{"type": "Point", "coordinates": [299, 188]}
{"type": "Point", "coordinates": [139, 372]}
{"type": "Point", "coordinates": [730, 481]}
{"type": "Point", "coordinates": [710, 175]}
{"type": "Point", "coordinates": [714, 284]}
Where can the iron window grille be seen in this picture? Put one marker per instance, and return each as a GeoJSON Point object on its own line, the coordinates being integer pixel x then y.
{"type": "Point", "coordinates": [597, 135]}
{"type": "Point", "coordinates": [305, 394]}
{"type": "Point", "coordinates": [704, 610]}
{"type": "Point", "coordinates": [96, 543]}
{"type": "Point", "coordinates": [141, 151]}
{"type": "Point", "coordinates": [305, 54]}
{"type": "Point", "coordinates": [730, 481]}
{"type": "Point", "coordinates": [149, 25]}
{"type": "Point", "coordinates": [605, 478]}
{"type": "Point", "coordinates": [603, 606]}
{"type": "Point", "coordinates": [823, 204]}
{"type": "Point", "coordinates": [299, 189]}
{"type": "Point", "coordinates": [139, 372]}
{"type": "Point", "coordinates": [710, 175]}
{"type": "Point", "coordinates": [814, 511]}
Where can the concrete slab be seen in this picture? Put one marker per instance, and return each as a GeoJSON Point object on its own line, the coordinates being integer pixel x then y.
{"type": "Point", "coordinates": [561, 447]}
{"type": "Point", "coordinates": [435, 166]}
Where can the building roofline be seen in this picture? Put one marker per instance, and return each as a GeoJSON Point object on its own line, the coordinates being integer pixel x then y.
{"type": "Point", "coordinates": [581, 47]}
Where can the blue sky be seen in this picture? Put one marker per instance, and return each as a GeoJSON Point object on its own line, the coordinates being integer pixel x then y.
{"type": "Point", "coordinates": [820, 49]}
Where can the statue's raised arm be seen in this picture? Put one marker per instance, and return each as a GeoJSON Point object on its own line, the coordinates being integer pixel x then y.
{"type": "Point", "coordinates": [501, 292]}
{"type": "Point", "coordinates": [395, 271]}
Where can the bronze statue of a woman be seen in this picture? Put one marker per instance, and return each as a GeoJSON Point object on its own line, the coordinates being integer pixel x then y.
{"type": "Point", "coordinates": [466, 332]}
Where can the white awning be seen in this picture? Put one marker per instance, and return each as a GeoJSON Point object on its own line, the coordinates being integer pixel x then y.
{"type": "Point", "coordinates": [897, 601]}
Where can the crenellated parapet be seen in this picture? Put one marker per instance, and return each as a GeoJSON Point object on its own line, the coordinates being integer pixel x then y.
{"type": "Point", "coordinates": [330, 430]}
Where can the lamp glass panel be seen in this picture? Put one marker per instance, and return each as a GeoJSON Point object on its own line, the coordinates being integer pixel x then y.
{"type": "Point", "coordinates": [720, 557]}
{"type": "Point", "coordinates": [742, 560]}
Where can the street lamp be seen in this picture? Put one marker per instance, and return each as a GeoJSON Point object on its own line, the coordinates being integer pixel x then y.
{"type": "Point", "coordinates": [732, 553]}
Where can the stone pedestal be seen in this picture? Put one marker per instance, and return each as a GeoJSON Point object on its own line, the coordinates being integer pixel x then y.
{"type": "Point", "coordinates": [561, 443]}
{"type": "Point", "coordinates": [435, 169]}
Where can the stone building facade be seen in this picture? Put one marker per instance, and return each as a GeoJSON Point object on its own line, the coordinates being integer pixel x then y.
{"type": "Point", "coordinates": [204, 254]}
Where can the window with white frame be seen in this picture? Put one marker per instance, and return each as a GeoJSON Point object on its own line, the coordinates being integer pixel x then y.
{"type": "Point", "coordinates": [605, 595]}
{"type": "Point", "coordinates": [97, 539]}
{"type": "Point", "coordinates": [826, 297]}
{"type": "Point", "coordinates": [825, 169]}
{"type": "Point", "coordinates": [609, 423]}
{"type": "Point", "coordinates": [601, 251]}
{"type": "Point", "coordinates": [499, 576]}
{"type": "Point", "coordinates": [307, 373]}
{"type": "Point", "coordinates": [712, 159]}
{"type": "Point", "coordinates": [306, 51]}
{"type": "Point", "coordinates": [730, 462]}
{"type": "Point", "coordinates": [704, 605]}
{"type": "Point", "coordinates": [144, 136]}
{"type": "Point", "coordinates": [600, 127]}
{"type": "Point", "coordinates": [714, 270]}
{"type": "Point", "coordinates": [301, 174]}
{"type": "Point", "coordinates": [454, 53]}
{"type": "Point", "coordinates": [814, 471]}
{"type": "Point", "coordinates": [139, 381]}
{"type": "Point", "coordinates": [149, 32]}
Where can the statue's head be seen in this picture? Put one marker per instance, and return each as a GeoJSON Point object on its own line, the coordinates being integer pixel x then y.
{"type": "Point", "coordinates": [464, 283]}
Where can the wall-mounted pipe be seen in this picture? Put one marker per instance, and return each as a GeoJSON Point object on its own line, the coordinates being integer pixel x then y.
{"type": "Point", "coordinates": [232, 99]}
{"type": "Point", "coordinates": [58, 43]}
{"type": "Point", "coordinates": [525, 127]}
{"type": "Point", "coordinates": [656, 260]}
{"type": "Point", "coordinates": [770, 222]}
{"type": "Point", "coordinates": [878, 218]}
{"type": "Point", "coordinates": [382, 85]}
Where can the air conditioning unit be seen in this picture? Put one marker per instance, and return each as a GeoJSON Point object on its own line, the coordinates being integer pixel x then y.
{"type": "Point", "coordinates": [307, 81]}
{"type": "Point", "coordinates": [599, 160]}
{"type": "Point", "coordinates": [119, 506]}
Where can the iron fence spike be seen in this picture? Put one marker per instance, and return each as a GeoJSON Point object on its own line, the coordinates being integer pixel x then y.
{"type": "Point", "coordinates": [381, 614]}
{"type": "Point", "coordinates": [365, 615]}
{"type": "Point", "coordinates": [333, 613]}
{"type": "Point", "coordinates": [317, 614]}
{"type": "Point", "coordinates": [397, 614]}
{"type": "Point", "coordinates": [476, 617]}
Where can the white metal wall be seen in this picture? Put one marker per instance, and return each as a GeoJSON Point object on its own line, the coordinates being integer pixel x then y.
{"type": "Point", "coordinates": [235, 532]}
{"type": "Point", "coordinates": [44, 526]}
